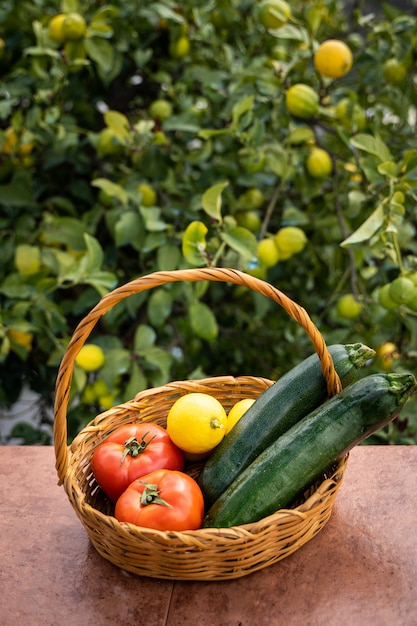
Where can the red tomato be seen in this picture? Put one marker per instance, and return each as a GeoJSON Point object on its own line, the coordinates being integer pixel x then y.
{"type": "Point", "coordinates": [163, 500]}
{"type": "Point", "coordinates": [133, 451]}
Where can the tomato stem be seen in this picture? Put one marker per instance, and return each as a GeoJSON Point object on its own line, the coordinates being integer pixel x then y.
{"type": "Point", "coordinates": [135, 447]}
{"type": "Point", "coordinates": [150, 495]}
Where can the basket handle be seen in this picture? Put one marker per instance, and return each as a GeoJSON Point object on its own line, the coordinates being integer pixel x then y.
{"type": "Point", "coordinates": [84, 328]}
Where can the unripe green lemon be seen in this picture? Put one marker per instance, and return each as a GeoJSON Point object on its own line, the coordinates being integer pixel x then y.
{"type": "Point", "coordinates": [74, 26]}
{"type": "Point", "coordinates": [249, 220]}
{"type": "Point", "coordinates": [251, 199]}
{"type": "Point", "coordinates": [333, 58]}
{"type": "Point", "coordinates": [348, 307]}
{"type": "Point", "coordinates": [385, 299]}
{"type": "Point", "coordinates": [319, 163]}
{"type": "Point", "coordinates": [402, 290]}
{"type": "Point", "coordinates": [302, 101]}
{"type": "Point", "coordinates": [108, 143]}
{"type": "Point", "coordinates": [27, 259]}
{"type": "Point", "coordinates": [180, 47]}
{"type": "Point", "coordinates": [160, 109]}
{"type": "Point", "coordinates": [290, 240]}
{"type": "Point", "coordinates": [90, 358]}
{"type": "Point", "coordinates": [350, 114]}
{"type": "Point", "coordinates": [274, 13]}
{"type": "Point", "coordinates": [267, 252]}
{"type": "Point", "coordinates": [149, 195]}
{"type": "Point", "coordinates": [394, 71]}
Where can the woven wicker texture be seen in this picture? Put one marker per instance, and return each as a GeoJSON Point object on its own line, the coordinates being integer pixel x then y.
{"type": "Point", "coordinates": [204, 554]}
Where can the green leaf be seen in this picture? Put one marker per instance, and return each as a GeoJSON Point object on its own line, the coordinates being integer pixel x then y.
{"type": "Point", "coordinates": [372, 145]}
{"type": "Point", "coordinates": [203, 321]}
{"type": "Point", "coordinates": [168, 257]}
{"type": "Point", "coordinates": [118, 123]}
{"type": "Point", "coordinates": [19, 191]}
{"type": "Point", "coordinates": [145, 336]}
{"type": "Point", "coordinates": [212, 200]}
{"type": "Point", "coordinates": [95, 255]}
{"type": "Point", "coordinates": [159, 358]}
{"type": "Point", "coordinates": [152, 218]}
{"type": "Point", "coordinates": [137, 382]}
{"type": "Point", "coordinates": [103, 282]}
{"type": "Point", "coordinates": [111, 189]}
{"type": "Point", "coordinates": [241, 240]}
{"type": "Point", "coordinates": [128, 229]}
{"type": "Point", "coordinates": [367, 229]}
{"type": "Point", "coordinates": [159, 306]}
{"type": "Point", "coordinates": [194, 243]}
{"type": "Point", "coordinates": [243, 106]}
{"type": "Point", "coordinates": [301, 134]}
{"type": "Point", "coordinates": [101, 51]}
{"type": "Point", "coordinates": [389, 169]}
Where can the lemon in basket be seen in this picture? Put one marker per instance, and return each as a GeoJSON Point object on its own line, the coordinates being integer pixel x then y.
{"type": "Point", "coordinates": [237, 411]}
{"type": "Point", "coordinates": [197, 423]}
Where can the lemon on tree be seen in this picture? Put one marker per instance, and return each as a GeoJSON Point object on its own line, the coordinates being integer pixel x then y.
{"type": "Point", "coordinates": [74, 26]}
{"type": "Point", "coordinates": [348, 307]}
{"type": "Point", "coordinates": [27, 259]}
{"type": "Point", "coordinates": [249, 219]}
{"type": "Point", "coordinates": [290, 240]}
{"type": "Point", "coordinates": [55, 30]}
{"type": "Point", "coordinates": [319, 163]}
{"type": "Point", "coordinates": [402, 290]}
{"type": "Point", "coordinates": [251, 199]}
{"type": "Point", "coordinates": [180, 47]}
{"type": "Point", "coordinates": [237, 411]}
{"type": "Point", "coordinates": [274, 13]}
{"type": "Point", "coordinates": [385, 355]}
{"type": "Point", "coordinates": [268, 252]}
{"type": "Point", "coordinates": [333, 58]}
{"type": "Point", "coordinates": [160, 109]}
{"type": "Point", "coordinates": [197, 422]}
{"type": "Point", "coordinates": [22, 338]}
{"type": "Point", "coordinates": [90, 358]}
{"type": "Point", "coordinates": [108, 143]}
{"type": "Point", "coordinates": [148, 193]}
{"type": "Point", "coordinates": [302, 101]}
{"type": "Point", "coordinates": [350, 114]}
{"type": "Point", "coordinates": [394, 72]}
{"type": "Point", "coordinates": [384, 298]}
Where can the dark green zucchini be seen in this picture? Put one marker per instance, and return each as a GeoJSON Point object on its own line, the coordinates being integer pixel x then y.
{"type": "Point", "coordinates": [295, 394]}
{"type": "Point", "coordinates": [298, 458]}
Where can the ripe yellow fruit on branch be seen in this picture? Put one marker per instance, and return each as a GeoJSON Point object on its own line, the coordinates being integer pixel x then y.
{"type": "Point", "coordinates": [333, 59]}
{"type": "Point", "coordinates": [319, 163]}
{"type": "Point", "coordinates": [90, 358]}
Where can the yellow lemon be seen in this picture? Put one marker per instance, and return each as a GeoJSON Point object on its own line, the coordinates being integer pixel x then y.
{"type": "Point", "coordinates": [290, 240]}
{"type": "Point", "coordinates": [90, 358]}
{"type": "Point", "coordinates": [237, 411]}
{"type": "Point", "coordinates": [333, 58]}
{"type": "Point", "coordinates": [21, 338]}
{"type": "Point", "coordinates": [197, 422]}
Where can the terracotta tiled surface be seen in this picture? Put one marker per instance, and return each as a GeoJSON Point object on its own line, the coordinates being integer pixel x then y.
{"type": "Point", "coordinates": [360, 570]}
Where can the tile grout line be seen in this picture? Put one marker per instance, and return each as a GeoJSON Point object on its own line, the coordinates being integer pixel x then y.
{"type": "Point", "coordinates": [165, 623]}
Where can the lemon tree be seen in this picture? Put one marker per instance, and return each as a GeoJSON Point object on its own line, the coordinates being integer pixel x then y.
{"type": "Point", "coordinates": [275, 138]}
{"type": "Point", "coordinates": [197, 423]}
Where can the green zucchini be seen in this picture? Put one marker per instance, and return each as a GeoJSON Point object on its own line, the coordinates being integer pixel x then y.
{"type": "Point", "coordinates": [295, 394]}
{"type": "Point", "coordinates": [298, 458]}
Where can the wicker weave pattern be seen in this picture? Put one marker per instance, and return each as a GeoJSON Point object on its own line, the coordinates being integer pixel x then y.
{"type": "Point", "coordinates": [205, 554]}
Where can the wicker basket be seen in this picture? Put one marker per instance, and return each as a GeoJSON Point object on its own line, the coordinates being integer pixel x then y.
{"type": "Point", "coordinates": [204, 554]}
